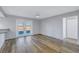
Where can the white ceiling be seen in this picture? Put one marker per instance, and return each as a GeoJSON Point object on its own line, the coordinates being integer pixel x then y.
{"type": "Point", "coordinates": [44, 11]}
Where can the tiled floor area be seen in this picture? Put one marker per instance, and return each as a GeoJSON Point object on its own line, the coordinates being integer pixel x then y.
{"type": "Point", "coordinates": [38, 44]}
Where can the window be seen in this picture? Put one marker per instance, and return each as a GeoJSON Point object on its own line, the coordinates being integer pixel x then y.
{"type": "Point", "coordinates": [23, 28]}
{"type": "Point", "coordinates": [70, 27]}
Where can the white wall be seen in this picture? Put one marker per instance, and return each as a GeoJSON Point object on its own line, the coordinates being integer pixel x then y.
{"type": "Point", "coordinates": [53, 26]}
{"type": "Point", "coordinates": [36, 24]}
{"type": "Point", "coordinates": [10, 22]}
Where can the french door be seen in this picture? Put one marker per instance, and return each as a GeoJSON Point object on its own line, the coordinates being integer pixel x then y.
{"type": "Point", "coordinates": [23, 28]}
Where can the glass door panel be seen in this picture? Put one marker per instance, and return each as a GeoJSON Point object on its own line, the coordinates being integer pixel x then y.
{"type": "Point", "coordinates": [19, 29]}
{"type": "Point", "coordinates": [28, 28]}
{"type": "Point", "coordinates": [23, 28]}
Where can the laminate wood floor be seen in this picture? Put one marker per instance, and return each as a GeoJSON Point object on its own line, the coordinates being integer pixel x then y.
{"type": "Point", "coordinates": [38, 44]}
